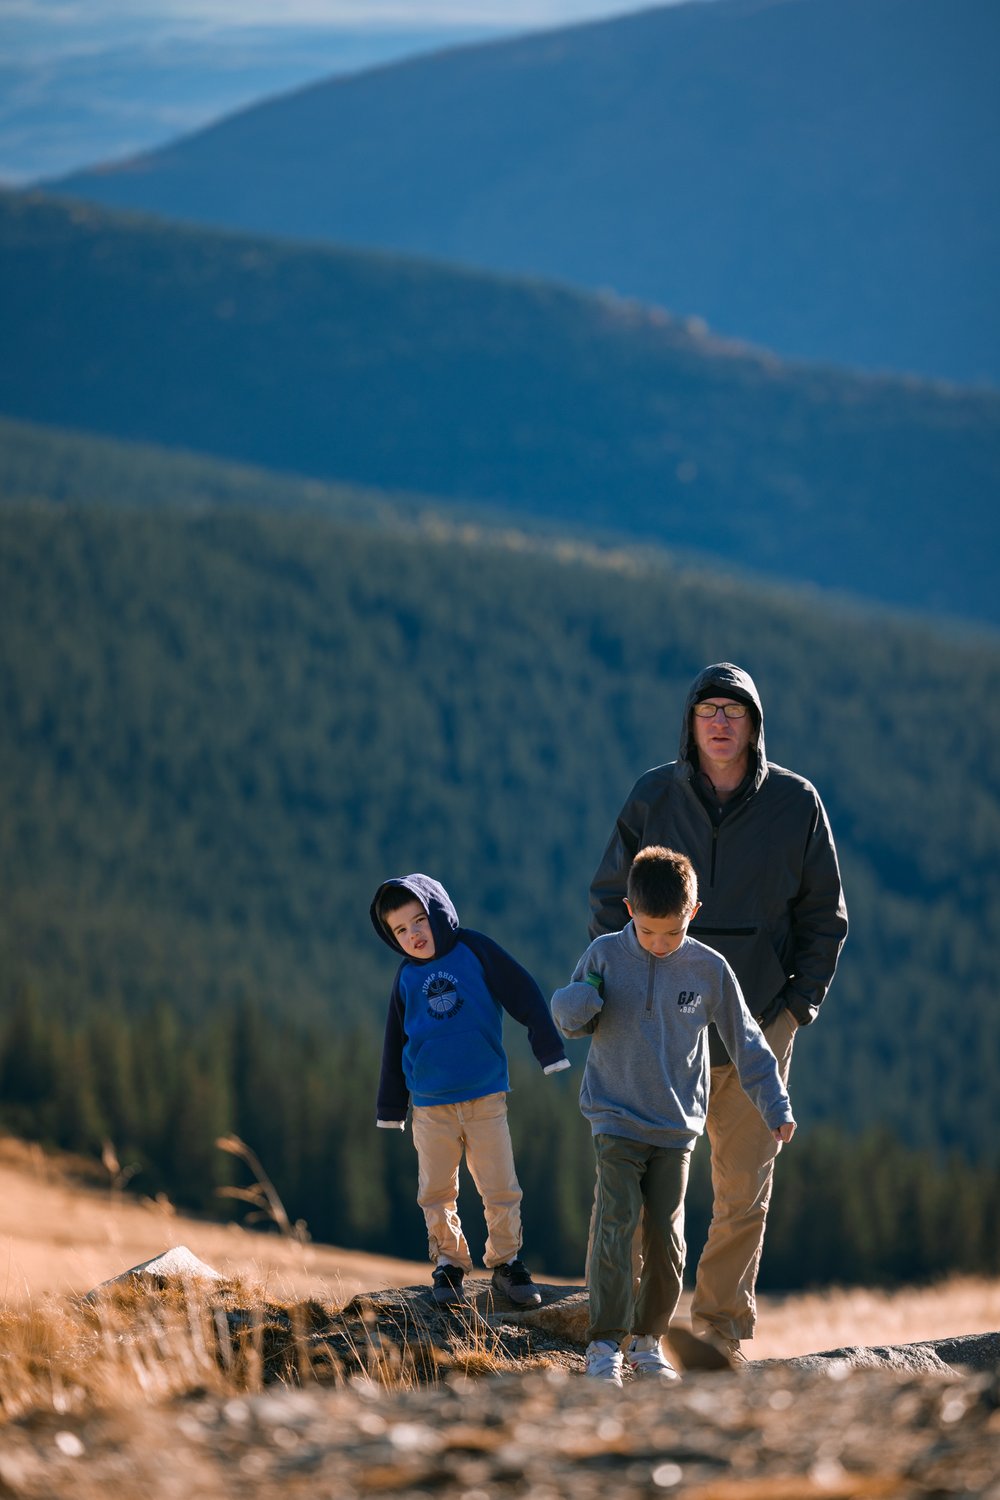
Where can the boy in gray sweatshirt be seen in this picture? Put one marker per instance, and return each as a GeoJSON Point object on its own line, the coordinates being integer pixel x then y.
{"type": "Point", "coordinates": [645, 997]}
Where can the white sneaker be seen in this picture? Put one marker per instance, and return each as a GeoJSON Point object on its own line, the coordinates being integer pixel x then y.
{"type": "Point", "coordinates": [604, 1361]}
{"type": "Point", "coordinates": [646, 1358]}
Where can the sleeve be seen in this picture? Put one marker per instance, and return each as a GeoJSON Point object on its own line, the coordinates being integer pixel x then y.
{"type": "Point", "coordinates": [515, 989]}
{"type": "Point", "coordinates": [819, 922]}
{"type": "Point", "coordinates": [393, 1095]}
{"type": "Point", "coordinates": [607, 889]}
{"type": "Point", "coordinates": [755, 1062]}
{"type": "Point", "coordinates": [576, 1008]}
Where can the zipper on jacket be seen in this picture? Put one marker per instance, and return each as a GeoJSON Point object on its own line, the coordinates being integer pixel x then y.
{"type": "Point", "coordinates": [650, 987]}
{"type": "Point", "coordinates": [715, 845]}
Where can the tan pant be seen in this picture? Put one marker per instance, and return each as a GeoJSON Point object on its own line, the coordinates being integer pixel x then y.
{"type": "Point", "coordinates": [743, 1156]}
{"type": "Point", "coordinates": [441, 1132]}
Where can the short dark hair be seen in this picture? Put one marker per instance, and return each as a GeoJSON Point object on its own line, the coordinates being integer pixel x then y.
{"type": "Point", "coordinates": [661, 882]}
{"type": "Point", "coordinates": [394, 898]}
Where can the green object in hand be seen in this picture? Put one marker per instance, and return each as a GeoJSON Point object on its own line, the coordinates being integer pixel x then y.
{"type": "Point", "coordinates": [597, 980]}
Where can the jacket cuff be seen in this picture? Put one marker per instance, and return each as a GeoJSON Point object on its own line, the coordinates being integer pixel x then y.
{"type": "Point", "coordinates": [557, 1067]}
{"type": "Point", "coordinates": [391, 1124]}
{"type": "Point", "coordinates": [801, 1009]}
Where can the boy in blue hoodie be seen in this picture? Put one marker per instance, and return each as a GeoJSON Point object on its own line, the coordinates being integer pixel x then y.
{"type": "Point", "coordinates": [444, 1049]}
{"type": "Point", "coordinates": [645, 996]}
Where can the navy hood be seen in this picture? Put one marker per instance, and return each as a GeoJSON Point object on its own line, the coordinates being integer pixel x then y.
{"type": "Point", "coordinates": [436, 902]}
{"type": "Point", "coordinates": [724, 680]}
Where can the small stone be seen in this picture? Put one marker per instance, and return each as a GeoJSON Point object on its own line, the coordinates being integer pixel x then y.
{"type": "Point", "coordinates": [175, 1264]}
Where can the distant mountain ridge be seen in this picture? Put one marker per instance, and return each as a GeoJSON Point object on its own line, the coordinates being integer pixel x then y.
{"type": "Point", "coordinates": [815, 176]}
{"type": "Point", "coordinates": [587, 410]}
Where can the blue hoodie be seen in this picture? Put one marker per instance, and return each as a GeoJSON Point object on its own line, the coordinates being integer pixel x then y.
{"type": "Point", "coordinates": [444, 1030]}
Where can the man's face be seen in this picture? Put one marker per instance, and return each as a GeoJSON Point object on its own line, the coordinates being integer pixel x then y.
{"type": "Point", "coordinates": [411, 927]}
{"type": "Point", "coordinates": [661, 935]}
{"type": "Point", "coordinates": [722, 742]}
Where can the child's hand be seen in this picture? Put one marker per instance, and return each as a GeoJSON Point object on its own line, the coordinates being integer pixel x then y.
{"type": "Point", "coordinates": [784, 1133]}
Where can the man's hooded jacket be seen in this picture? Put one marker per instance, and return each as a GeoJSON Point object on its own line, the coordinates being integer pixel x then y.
{"type": "Point", "coordinates": [444, 1030]}
{"type": "Point", "coordinates": [768, 879]}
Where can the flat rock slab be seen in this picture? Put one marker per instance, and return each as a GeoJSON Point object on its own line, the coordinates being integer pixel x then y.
{"type": "Point", "coordinates": [485, 1331]}
{"type": "Point", "coordinates": [923, 1357]}
{"type": "Point", "coordinates": [974, 1351]}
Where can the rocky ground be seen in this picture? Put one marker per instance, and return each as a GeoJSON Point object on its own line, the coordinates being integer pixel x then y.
{"type": "Point", "coordinates": [497, 1405]}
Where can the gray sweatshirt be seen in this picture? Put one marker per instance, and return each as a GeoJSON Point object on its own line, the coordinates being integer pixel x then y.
{"type": "Point", "coordinates": [647, 1075]}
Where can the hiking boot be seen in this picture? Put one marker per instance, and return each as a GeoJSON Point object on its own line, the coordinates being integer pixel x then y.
{"type": "Point", "coordinates": [513, 1279]}
{"type": "Point", "coordinates": [729, 1350]}
{"type": "Point", "coordinates": [604, 1362]}
{"type": "Point", "coordinates": [646, 1358]}
{"type": "Point", "coordinates": [448, 1284]}
{"type": "Point", "coordinates": [695, 1352]}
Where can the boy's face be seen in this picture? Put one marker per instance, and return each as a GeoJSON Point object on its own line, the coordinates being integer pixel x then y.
{"type": "Point", "coordinates": [661, 935]}
{"type": "Point", "coordinates": [411, 927]}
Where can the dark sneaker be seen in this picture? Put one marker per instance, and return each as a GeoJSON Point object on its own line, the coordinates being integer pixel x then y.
{"type": "Point", "coordinates": [448, 1284]}
{"type": "Point", "coordinates": [513, 1279]}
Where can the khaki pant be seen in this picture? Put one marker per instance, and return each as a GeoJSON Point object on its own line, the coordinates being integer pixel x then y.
{"type": "Point", "coordinates": [743, 1156]}
{"type": "Point", "coordinates": [636, 1181]}
{"type": "Point", "coordinates": [441, 1132]}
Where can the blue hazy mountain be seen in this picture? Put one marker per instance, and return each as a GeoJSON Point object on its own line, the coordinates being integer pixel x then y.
{"type": "Point", "coordinates": [76, 89]}
{"type": "Point", "coordinates": [815, 176]}
{"type": "Point", "coordinates": [579, 410]}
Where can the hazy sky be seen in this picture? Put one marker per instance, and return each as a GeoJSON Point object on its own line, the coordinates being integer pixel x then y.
{"type": "Point", "coordinates": [80, 16]}
{"type": "Point", "coordinates": [332, 12]}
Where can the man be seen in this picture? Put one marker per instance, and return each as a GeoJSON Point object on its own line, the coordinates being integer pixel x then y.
{"type": "Point", "coordinates": [773, 906]}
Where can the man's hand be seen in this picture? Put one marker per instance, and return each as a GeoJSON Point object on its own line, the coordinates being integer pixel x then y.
{"type": "Point", "coordinates": [784, 1133]}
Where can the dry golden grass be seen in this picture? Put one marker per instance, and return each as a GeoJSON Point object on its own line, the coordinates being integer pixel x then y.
{"type": "Point", "coordinates": [60, 1236]}
{"type": "Point", "coordinates": [132, 1344]}
{"type": "Point", "coordinates": [60, 1239]}
{"type": "Point", "coordinates": [63, 1357]}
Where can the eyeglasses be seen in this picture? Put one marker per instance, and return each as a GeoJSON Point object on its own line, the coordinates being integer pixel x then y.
{"type": "Point", "coordinates": [731, 710]}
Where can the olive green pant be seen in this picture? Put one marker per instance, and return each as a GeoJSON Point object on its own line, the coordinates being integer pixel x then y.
{"type": "Point", "coordinates": [636, 1181]}
{"type": "Point", "coordinates": [743, 1157]}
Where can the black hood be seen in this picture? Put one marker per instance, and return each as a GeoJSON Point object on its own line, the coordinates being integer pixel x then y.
{"type": "Point", "coordinates": [436, 902]}
{"type": "Point", "coordinates": [724, 680]}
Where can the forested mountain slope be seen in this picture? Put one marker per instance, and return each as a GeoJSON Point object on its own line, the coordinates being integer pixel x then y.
{"type": "Point", "coordinates": [224, 724]}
